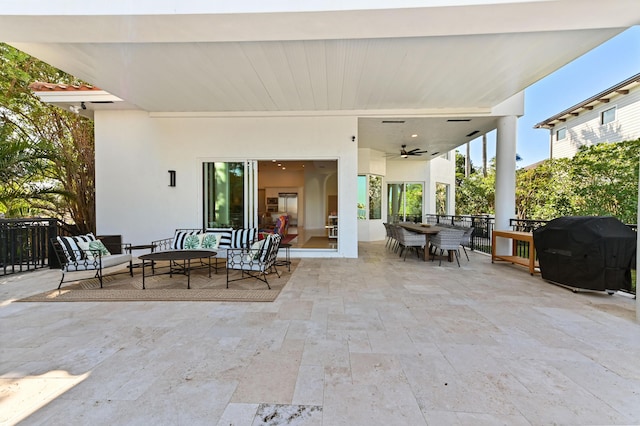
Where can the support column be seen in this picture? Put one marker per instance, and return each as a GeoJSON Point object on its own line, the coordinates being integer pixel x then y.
{"type": "Point", "coordinates": [638, 256]}
{"type": "Point", "coordinates": [505, 177]}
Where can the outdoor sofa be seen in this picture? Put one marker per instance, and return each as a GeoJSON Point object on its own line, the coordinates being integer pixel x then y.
{"type": "Point", "coordinates": [87, 253]}
{"type": "Point", "coordinates": [214, 239]}
{"type": "Point", "coordinates": [238, 249]}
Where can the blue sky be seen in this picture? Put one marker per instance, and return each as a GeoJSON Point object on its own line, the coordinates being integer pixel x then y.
{"type": "Point", "coordinates": [597, 70]}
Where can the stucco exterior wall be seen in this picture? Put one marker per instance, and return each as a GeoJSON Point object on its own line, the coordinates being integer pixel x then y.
{"type": "Point", "coordinates": [134, 152]}
{"type": "Point", "coordinates": [436, 170]}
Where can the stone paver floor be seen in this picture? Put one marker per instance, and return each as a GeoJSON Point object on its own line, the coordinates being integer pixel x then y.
{"type": "Point", "coordinates": [368, 341]}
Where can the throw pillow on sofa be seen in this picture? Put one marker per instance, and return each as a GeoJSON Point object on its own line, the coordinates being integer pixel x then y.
{"type": "Point", "coordinates": [243, 238]}
{"type": "Point", "coordinates": [223, 235]}
{"type": "Point", "coordinates": [254, 252]}
{"type": "Point", "coordinates": [71, 248]}
{"type": "Point", "coordinates": [180, 237]}
{"type": "Point", "coordinates": [210, 241]}
{"type": "Point", "coordinates": [191, 242]}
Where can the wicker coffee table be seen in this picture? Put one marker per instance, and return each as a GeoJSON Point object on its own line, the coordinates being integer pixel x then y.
{"type": "Point", "coordinates": [174, 256]}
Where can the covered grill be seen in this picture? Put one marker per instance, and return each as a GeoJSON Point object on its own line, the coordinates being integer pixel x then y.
{"type": "Point", "coordinates": [586, 252]}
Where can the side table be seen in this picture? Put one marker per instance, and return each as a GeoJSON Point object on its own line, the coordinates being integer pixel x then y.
{"type": "Point", "coordinates": [130, 249]}
{"type": "Point", "coordinates": [287, 257]}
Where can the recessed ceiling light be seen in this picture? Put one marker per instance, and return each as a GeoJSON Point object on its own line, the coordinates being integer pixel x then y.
{"type": "Point", "coordinates": [273, 161]}
{"type": "Point", "coordinates": [415, 135]}
{"type": "Point", "coordinates": [279, 164]}
{"type": "Point", "coordinates": [284, 168]}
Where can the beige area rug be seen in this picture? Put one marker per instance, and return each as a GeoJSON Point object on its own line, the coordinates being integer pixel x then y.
{"type": "Point", "coordinates": [121, 287]}
{"type": "Point", "coordinates": [320, 243]}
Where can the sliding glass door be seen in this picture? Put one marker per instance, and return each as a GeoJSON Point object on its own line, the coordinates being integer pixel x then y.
{"type": "Point", "coordinates": [230, 194]}
{"type": "Point", "coordinates": [404, 202]}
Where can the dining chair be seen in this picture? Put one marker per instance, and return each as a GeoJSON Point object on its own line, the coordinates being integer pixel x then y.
{"type": "Point", "coordinates": [466, 240]}
{"type": "Point", "coordinates": [395, 243]}
{"type": "Point", "coordinates": [447, 239]}
{"type": "Point", "coordinates": [389, 234]}
{"type": "Point", "coordinates": [408, 240]}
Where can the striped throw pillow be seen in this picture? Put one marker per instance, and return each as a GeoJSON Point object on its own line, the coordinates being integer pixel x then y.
{"type": "Point", "coordinates": [70, 246]}
{"type": "Point", "coordinates": [271, 242]}
{"type": "Point", "coordinates": [185, 240]}
{"type": "Point", "coordinates": [243, 238]}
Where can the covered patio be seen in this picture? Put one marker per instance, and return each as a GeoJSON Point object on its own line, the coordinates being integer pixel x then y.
{"type": "Point", "coordinates": [354, 341]}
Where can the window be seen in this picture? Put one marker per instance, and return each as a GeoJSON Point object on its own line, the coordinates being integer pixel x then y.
{"type": "Point", "coordinates": [561, 133]}
{"type": "Point", "coordinates": [404, 202]}
{"type": "Point", "coordinates": [442, 198]}
{"type": "Point", "coordinates": [608, 115]}
{"type": "Point", "coordinates": [375, 197]}
{"type": "Point", "coordinates": [369, 197]}
{"type": "Point", "coordinates": [362, 197]}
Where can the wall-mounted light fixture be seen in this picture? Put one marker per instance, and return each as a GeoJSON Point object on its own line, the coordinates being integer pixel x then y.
{"type": "Point", "coordinates": [172, 178]}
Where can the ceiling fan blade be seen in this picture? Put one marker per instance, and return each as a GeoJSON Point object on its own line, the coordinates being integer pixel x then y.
{"type": "Point", "coordinates": [416, 151]}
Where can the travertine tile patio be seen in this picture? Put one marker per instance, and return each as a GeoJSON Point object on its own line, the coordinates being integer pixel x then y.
{"type": "Point", "coordinates": [367, 341]}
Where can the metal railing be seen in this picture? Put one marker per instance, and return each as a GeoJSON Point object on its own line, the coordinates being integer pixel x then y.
{"type": "Point", "coordinates": [483, 227]}
{"type": "Point", "coordinates": [25, 243]}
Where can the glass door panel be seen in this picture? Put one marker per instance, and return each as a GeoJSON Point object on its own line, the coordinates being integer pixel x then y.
{"type": "Point", "coordinates": [395, 197]}
{"type": "Point", "coordinates": [405, 201]}
{"type": "Point", "coordinates": [230, 194]}
{"type": "Point", "coordinates": [413, 201]}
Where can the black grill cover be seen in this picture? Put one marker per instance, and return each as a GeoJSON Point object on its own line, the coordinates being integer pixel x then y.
{"type": "Point", "coordinates": [588, 252]}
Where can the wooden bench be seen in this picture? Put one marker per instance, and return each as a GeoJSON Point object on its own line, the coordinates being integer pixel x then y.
{"type": "Point", "coordinates": [515, 236]}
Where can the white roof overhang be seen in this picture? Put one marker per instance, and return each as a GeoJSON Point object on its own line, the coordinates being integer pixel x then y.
{"type": "Point", "coordinates": [450, 59]}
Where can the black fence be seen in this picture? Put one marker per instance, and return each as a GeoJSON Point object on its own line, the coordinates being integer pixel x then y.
{"type": "Point", "coordinates": [483, 227]}
{"type": "Point", "coordinates": [25, 243]}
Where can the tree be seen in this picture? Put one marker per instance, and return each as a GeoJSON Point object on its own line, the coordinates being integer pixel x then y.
{"type": "Point", "coordinates": [476, 194]}
{"type": "Point", "coordinates": [605, 178]}
{"type": "Point", "coordinates": [461, 168]}
{"type": "Point", "coordinates": [544, 192]}
{"type": "Point", "coordinates": [47, 153]}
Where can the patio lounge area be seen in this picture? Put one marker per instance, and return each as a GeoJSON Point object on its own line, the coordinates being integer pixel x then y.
{"type": "Point", "coordinates": [372, 340]}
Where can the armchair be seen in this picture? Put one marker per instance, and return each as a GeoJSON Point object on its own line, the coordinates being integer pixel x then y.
{"type": "Point", "coordinates": [256, 261]}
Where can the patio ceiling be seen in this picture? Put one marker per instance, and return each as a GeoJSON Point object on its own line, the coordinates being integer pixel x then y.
{"type": "Point", "coordinates": [422, 65]}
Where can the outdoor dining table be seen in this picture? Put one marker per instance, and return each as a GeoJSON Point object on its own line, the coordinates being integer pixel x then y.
{"type": "Point", "coordinates": [427, 230]}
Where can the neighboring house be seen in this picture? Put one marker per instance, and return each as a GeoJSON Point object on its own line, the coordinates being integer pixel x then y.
{"type": "Point", "coordinates": [612, 115]}
{"type": "Point", "coordinates": [212, 90]}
